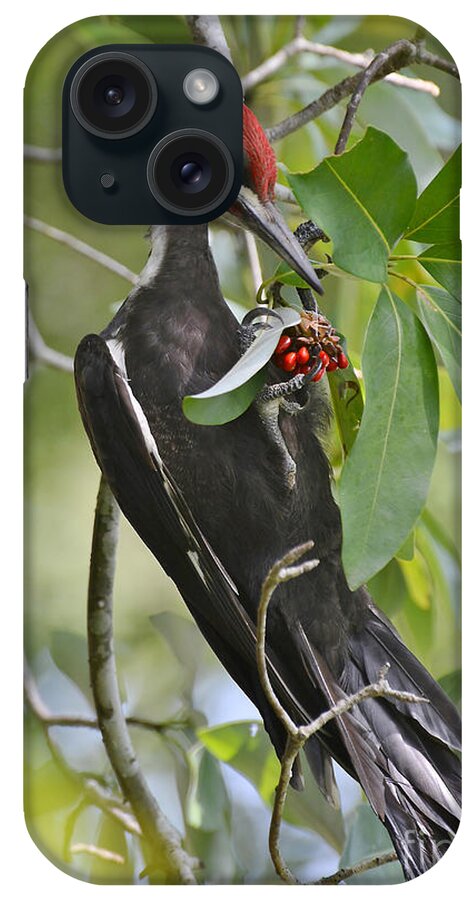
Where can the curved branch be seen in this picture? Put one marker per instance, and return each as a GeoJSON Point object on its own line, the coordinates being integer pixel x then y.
{"type": "Point", "coordinates": [361, 60]}
{"type": "Point", "coordinates": [409, 53]}
{"type": "Point", "coordinates": [69, 240]}
{"type": "Point", "coordinates": [94, 792]}
{"type": "Point", "coordinates": [377, 63]}
{"type": "Point", "coordinates": [40, 350]}
{"type": "Point", "coordinates": [162, 842]}
{"type": "Point", "coordinates": [297, 735]}
{"type": "Point", "coordinates": [358, 868]}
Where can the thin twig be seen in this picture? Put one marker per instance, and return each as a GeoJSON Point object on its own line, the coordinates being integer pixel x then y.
{"type": "Point", "coordinates": [253, 259]}
{"type": "Point", "coordinates": [41, 351]}
{"type": "Point", "coordinates": [410, 53]}
{"type": "Point", "coordinates": [51, 720]}
{"type": "Point", "coordinates": [299, 26]}
{"type": "Point", "coordinates": [282, 571]}
{"type": "Point", "coordinates": [63, 237]}
{"type": "Point", "coordinates": [284, 194]}
{"type": "Point", "coordinates": [358, 868]}
{"type": "Point", "coordinates": [361, 60]}
{"type": "Point", "coordinates": [163, 845]}
{"type": "Point", "coordinates": [368, 76]}
{"type": "Point", "coordinates": [42, 154]}
{"type": "Point", "coordinates": [94, 792]}
{"type": "Point", "coordinates": [297, 735]}
{"type": "Point", "coordinates": [98, 852]}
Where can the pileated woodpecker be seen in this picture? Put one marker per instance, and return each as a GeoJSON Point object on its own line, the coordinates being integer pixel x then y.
{"type": "Point", "coordinates": [212, 505]}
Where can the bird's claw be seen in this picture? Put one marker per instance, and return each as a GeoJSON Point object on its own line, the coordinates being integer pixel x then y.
{"type": "Point", "coordinates": [282, 389]}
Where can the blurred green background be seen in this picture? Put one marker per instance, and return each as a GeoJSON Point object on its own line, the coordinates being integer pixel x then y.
{"type": "Point", "coordinates": [213, 782]}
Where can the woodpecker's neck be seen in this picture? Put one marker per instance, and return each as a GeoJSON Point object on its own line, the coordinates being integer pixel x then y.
{"type": "Point", "coordinates": [176, 252]}
{"type": "Point", "coordinates": [175, 331]}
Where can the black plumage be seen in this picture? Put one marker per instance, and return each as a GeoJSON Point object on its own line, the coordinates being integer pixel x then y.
{"type": "Point", "coordinates": [212, 505]}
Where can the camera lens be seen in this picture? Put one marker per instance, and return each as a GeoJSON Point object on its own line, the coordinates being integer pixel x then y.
{"type": "Point", "coordinates": [190, 172]}
{"type": "Point", "coordinates": [113, 95]}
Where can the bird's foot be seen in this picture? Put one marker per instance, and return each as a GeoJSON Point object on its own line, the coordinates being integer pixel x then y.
{"type": "Point", "coordinates": [268, 411]}
{"type": "Point", "coordinates": [282, 389]}
{"type": "Point", "coordinates": [308, 234]}
{"type": "Point", "coordinates": [246, 336]}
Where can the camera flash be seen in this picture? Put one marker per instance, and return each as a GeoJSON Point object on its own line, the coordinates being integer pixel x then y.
{"type": "Point", "coordinates": [201, 86]}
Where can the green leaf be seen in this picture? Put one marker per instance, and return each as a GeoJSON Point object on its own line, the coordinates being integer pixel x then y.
{"type": "Point", "coordinates": [70, 653]}
{"type": "Point", "coordinates": [443, 262]}
{"type": "Point", "coordinates": [208, 804]}
{"type": "Point", "coordinates": [111, 837]}
{"type": "Point", "coordinates": [441, 316]}
{"type": "Point", "coordinates": [181, 635]}
{"type": "Point", "coordinates": [363, 200]}
{"type": "Point", "coordinates": [246, 747]}
{"type": "Point", "coordinates": [236, 390]}
{"type": "Point", "coordinates": [224, 407]}
{"type": "Point", "coordinates": [347, 401]}
{"type": "Point", "coordinates": [407, 550]}
{"type": "Point", "coordinates": [436, 216]}
{"type": "Point", "coordinates": [368, 838]}
{"type": "Point", "coordinates": [50, 790]}
{"type": "Point", "coordinates": [386, 477]}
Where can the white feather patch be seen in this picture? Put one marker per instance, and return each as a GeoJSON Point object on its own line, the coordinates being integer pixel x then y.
{"type": "Point", "coordinates": [153, 265]}
{"type": "Point", "coordinates": [190, 528]}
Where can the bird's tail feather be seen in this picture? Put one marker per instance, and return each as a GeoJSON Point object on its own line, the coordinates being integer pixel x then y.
{"type": "Point", "coordinates": [400, 752]}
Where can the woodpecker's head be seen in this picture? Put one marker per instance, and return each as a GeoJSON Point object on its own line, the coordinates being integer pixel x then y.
{"type": "Point", "coordinates": [254, 207]}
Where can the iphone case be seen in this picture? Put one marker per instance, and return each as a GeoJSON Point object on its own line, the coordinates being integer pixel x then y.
{"type": "Point", "coordinates": [190, 799]}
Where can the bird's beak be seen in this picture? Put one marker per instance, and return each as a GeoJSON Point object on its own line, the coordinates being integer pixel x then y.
{"type": "Point", "coordinates": [265, 220]}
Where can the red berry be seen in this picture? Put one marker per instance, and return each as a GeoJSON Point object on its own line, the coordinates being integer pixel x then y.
{"type": "Point", "coordinates": [303, 356]}
{"type": "Point", "coordinates": [283, 344]}
{"type": "Point", "coordinates": [303, 369]}
{"type": "Point", "coordinates": [319, 374]}
{"type": "Point", "coordinates": [289, 362]}
{"type": "Point", "coordinates": [342, 361]}
{"type": "Point", "coordinates": [323, 356]}
{"type": "Point", "coordinates": [332, 365]}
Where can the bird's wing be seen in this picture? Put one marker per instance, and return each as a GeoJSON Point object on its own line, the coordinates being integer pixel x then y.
{"type": "Point", "coordinates": [128, 455]}
{"type": "Point", "coordinates": [399, 751]}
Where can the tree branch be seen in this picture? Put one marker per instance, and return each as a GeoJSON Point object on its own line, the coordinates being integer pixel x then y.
{"type": "Point", "coordinates": [98, 852]}
{"type": "Point", "coordinates": [358, 868]}
{"type": "Point", "coordinates": [163, 845]}
{"type": "Point", "coordinates": [81, 247]}
{"type": "Point", "coordinates": [368, 76]}
{"type": "Point", "coordinates": [42, 154]}
{"type": "Point", "coordinates": [41, 351]}
{"type": "Point", "coordinates": [409, 53]}
{"type": "Point", "coordinates": [297, 735]}
{"type": "Point", "coordinates": [361, 60]}
{"type": "Point", "coordinates": [94, 792]}
{"type": "Point", "coordinates": [208, 30]}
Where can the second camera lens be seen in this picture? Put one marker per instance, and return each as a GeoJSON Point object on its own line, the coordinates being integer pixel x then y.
{"type": "Point", "coordinates": [190, 172]}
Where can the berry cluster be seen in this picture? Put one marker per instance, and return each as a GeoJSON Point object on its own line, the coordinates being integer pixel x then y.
{"type": "Point", "coordinates": [301, 347]}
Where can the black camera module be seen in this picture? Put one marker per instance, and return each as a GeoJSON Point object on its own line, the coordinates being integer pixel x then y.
{"type": "Point", "coordinates": [113, 95]}
{"type": "Point", "coordinates": [190, 172]}
{"type": "Point", "coordinates": [140, 148]}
